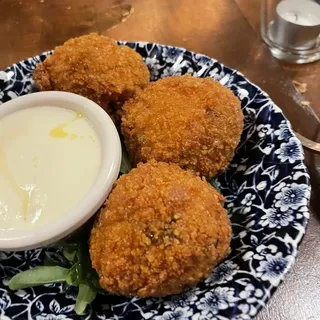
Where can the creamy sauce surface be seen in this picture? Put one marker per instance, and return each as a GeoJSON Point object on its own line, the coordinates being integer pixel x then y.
{"type": "Point", "coordinates": [49, 160]}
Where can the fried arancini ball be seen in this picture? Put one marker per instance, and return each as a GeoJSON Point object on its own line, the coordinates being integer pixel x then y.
{"type": "Point", "coordinates": [161, 231]}
{"type": "Point", "coordinates": [95, 67]}
{"type": "Point", "coordinates": [194, 122]}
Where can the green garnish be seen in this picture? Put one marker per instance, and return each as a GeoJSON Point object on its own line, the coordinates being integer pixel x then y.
{"type": "Point", "coordinates": [38, 276]}
{"type": "Point", "coordinates": [70, 253]}
{"type": "Point", "coordinates": [125, 162]}
{"type": "Point", "coordinates": [71, 267]}
{"type": "Point", "coordinates": [214, 184]}
{"type": "Point", "coordinates": [85, 296]}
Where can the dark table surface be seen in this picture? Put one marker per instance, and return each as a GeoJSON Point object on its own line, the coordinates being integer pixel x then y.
{"type": "Point", "coordinates": [227, 30]}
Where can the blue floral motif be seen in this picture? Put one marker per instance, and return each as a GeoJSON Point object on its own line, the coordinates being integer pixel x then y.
{"type": "Point", "coordinates": [219, 299]}
{"type": "Point", "coordinates": [172, 53]}
{"type": "Point", "coordinates": [71, 293]}
{"type": "Point", "coordinates": [224, 272]}
{"type": "Point", "coordinates": [178, 314]}
{"type": "Point", "coordinates": [248, 310]}
{"type": "Point", "coordinates": [284, 131]}
{"type": "Point", "coordinates": [266, 190]}
{"type": "Point", "coordinates": [203, 61]}
{"type": "Point", "coordinates": [264, 130]}
{"type": "Point", "coordinates": [290, 151]}
{"type": "Point", "coordinates": [181, 300]}
{"type": "Point", "coordinates": [274, 267]}
{"type": "Point", "coordinates": [275, 218]}
{"type": "Point", "coordinates": [247, 202]}
{"type": "Point", "coordinates": [53, 317]}
{"type": "Point", "coordinates": [251, 293]}
{"type": "Point", "coordinates": [176, 72]}
{"type": "Point", "coordinates": [263, 250]}
{"type": "Point", "coordinates": [5, 301]}
{"type": "Point", "coordinates": [292, 197]}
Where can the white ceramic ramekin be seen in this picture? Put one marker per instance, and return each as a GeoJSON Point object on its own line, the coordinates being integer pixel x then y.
{"type": "Point", "coordinates": [15, 240]}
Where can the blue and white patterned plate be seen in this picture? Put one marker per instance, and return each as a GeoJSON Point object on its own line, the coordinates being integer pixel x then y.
{"type": "Point", "coordinates": [266, 189]}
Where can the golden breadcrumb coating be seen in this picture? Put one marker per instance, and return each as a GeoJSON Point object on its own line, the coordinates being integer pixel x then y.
{"type": "Point", "coordinates": [193, 122]}
{"type": "Point", "coordinates": [161, 231]}
{"type": "Point", "coordinates": [95, 67]}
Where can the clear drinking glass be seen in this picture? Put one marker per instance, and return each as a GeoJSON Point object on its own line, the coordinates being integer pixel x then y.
{"type": "Point", "coordinates": [291, 29]}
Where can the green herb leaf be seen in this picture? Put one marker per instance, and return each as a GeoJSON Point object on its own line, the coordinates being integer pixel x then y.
{"type": "Point", "coordinates": [48, 262]}
{"type": "Point", "coordinates": [214, 184]}
{"type": "Point", "coordinates": [75, 255]}
{"type": "Point", "coordinates": [38, 276]}
{"type": "Point", "coordinates": [75, 275]}
{"type": "Point", "coordinates": [55, 259]}
{"type": "Point", "coordinates": [65, 243]}
{"type": "Point", "coordinates": [95, 283]}
{"type": "Point", "coordinates": [125, 162]}
{"type": "Point", "coordinates": [70, 253]}
{"type": "Point", "coordinates": [90, 276]}
{"type": "Point", "coordinates": [85, 296]}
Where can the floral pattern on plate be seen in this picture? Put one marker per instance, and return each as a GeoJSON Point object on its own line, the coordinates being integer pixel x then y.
{"type": "Point", "coordinates": [266, 189]}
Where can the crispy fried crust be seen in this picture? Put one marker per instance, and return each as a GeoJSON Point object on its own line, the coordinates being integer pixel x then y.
{"type": "Point", "coordinates": [193, 122]}
{"type": "Point", "coordinates": [162, 230]}
{"type": "Point", "coordinates": [95, 67]}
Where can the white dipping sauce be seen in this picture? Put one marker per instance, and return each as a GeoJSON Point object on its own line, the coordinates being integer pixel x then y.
{"type": "Point", "coordinates": [49, 159]}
